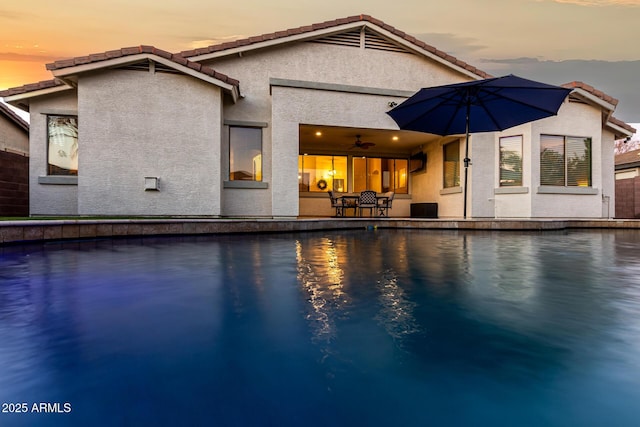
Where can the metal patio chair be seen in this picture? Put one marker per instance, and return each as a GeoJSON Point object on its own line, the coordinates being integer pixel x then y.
{"type": "Point", "coordinates": [384, 203]}
{"type": "Point", "coordinates": [367, 200]}
{"type": "Point", "coordinates": [337, 203]}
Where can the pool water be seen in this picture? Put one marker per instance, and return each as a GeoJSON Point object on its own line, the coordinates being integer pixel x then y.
{"type": "Point", "coordinates": [345, 328]}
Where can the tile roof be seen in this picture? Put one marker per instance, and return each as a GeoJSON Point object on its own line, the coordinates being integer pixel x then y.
{"type": "Point", "coordinates": [31, 87]}
{"type": "Point", "coordinates": [4, 110]}
{"type": "Point", "coordinates": [628, 158]}
{"type": "Point", "coordinates": [136, 50]}
{"type": "Point", "coordinates": [593, 91]}
{"type": "Point", "coordinates": [331, 24]}
{"type": "Point", "coordinates": [622, 124]}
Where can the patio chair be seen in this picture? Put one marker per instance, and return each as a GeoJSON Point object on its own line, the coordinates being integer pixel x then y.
{"type": "Point", "coordinates": [384, 203]}
{"type": "Point", "coordinates": [337, 203]}
{"type": "Point", "coordinates": [367, 200]}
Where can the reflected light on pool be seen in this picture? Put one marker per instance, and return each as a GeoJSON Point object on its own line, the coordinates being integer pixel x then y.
{"type": "Point", "coordinates": [339, 328]}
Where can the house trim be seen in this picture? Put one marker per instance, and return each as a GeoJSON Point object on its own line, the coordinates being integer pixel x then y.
{"type": "Point", "coordinates": [301, 84]}
{"type": "Point", "coordinates": [58, 180]}
{"type": "Point", "coordinates": [567, 190]}
{"type": "Point", "coordinates": [66, 72]}
{"type": "Point", "coordinates": [313, 32]}
{"type": "Point", "coordinates": [511, 190]}
{"type": "Point", "coordinates": [246, 184]}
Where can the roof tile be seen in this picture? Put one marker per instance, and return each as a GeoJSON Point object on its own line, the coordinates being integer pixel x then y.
{"type": "Point", "coordinates": [329, 24]}
{"type": "Point", "coordinates": [622, 124]}
{"type": "Point", "coordinates": [31, 87]}
{"type": "Point", "coordinates": [629, 157]}
{"type": "Point", "coordinates": [591, 90]}
{"type": "Point", "coordinates": [135, 50]}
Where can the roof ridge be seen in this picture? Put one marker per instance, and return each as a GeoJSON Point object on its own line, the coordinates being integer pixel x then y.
{"type": "Point", "coordinates": [329, 24]}
{"type": "Point", "coordinates": [136, 50]}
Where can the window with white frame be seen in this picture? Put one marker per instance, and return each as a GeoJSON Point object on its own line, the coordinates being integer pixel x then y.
{"type": "Point", "coordinates": [245, 153]}
{"type": "Point", "coordinates": [62, 145]}
{"type": "Point", "coordinates": [511, 161]}
{"type": "Point", "coordinates": [565, 161]}
{"type": "Point", "coordinates": [451, 165]}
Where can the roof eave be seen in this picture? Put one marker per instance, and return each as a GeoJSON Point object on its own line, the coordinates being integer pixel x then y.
{"type": "Point", "coordinates": [21, 100]}
{"type": "Point", "coordinates": [276, 41]}
{"type": "Point", "coordinates": [323, 32]}
{"type": "Point", "coordinates": [594, 99]}
{"type": "Point", "coordinates": [66, 72]}
{"type": "Point", "coordinates": [14, 118]}
{"type": "Point", "coordinates": [619, 131]}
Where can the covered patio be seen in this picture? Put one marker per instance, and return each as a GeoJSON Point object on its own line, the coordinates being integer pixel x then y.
{"type": "Point", "coordinates": [349, 160]}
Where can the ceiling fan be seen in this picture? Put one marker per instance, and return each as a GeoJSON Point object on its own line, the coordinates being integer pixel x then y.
{"type": "Point", "coordinates": [362, 144]}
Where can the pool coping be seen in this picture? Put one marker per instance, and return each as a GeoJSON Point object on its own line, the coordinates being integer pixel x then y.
{"type": "Point", "coordinates": [25, 231]}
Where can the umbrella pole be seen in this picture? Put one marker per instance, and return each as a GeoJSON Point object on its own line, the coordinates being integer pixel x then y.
{"type": "Point", "coordinates": [467, 161]}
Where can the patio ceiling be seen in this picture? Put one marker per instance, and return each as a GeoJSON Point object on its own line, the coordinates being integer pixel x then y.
{"type": "Point", "coordinates": [328, 139]}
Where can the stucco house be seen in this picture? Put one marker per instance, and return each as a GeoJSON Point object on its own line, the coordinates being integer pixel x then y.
{"type": "Point", "coordinates": [265, 126]}
{"type": "Point", "coordinates": [14, 163]}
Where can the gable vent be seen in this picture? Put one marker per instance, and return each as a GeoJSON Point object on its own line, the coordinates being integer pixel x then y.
{"type": "Point", "coordinates": [576, 99]}
{"type": "Point", "coordinates": [145, 65]}
{"type": "Point", "coordinates": [351, 38]}
{"type": "Point", "coordinates": [362, 37]}
{"type": "Point", "coordinates": [376, 41]}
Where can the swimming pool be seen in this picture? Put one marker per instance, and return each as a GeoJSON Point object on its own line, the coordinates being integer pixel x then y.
{"type": "Point", "coordinates": [360, 327]}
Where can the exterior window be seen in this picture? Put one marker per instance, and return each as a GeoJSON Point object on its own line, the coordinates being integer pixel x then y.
{"type": "Point", "coordinates": [322, 173]}
{"type": "Point", "coordinates": [245, 154]}
{"type": "Point", "coordinates": [565, 161]}
{"type": "Point", "coordinates": [62, 158]}
{"type": "Point", "coordinates": [380, 175]}
{"type": "Point", "coordinates": [511, 161]}
{"type": "Point", "coordinates": [451, 166]}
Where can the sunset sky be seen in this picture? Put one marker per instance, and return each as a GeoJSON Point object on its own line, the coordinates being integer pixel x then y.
{"type": "Point", "coordinates": [493, 35]}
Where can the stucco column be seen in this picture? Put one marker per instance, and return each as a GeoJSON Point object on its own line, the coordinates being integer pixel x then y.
{"type": "Point", "coordinates": [284, 178]}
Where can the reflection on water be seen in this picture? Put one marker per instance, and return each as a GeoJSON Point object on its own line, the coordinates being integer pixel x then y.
{"type": "Point", "coordinates": [396, 309]}
{"type": "Point", "coordinates": [329, 328]}
{"type": "Point", "coordinates": [320, 275]}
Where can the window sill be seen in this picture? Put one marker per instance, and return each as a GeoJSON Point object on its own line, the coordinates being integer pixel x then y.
{"type": "Point", "coordinates": [246, 184]}
{"type": "Point", "coordinates": [451, 190]}
{"type": "Point", "coordinates": [511, 190]}
{"type": "Point", "coordinates": [58, 180]}
{"type": "Point", "coordinates": [567, 190]}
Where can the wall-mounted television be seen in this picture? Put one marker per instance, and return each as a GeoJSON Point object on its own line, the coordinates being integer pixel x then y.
{"type": "Point", "coordinates": [418, 162]}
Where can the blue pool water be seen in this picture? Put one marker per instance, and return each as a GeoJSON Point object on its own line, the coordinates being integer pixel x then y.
{"type": "Point", "coordinates": [352, 328]}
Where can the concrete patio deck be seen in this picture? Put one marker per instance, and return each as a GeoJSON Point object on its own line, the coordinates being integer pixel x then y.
{"type": "Point", "coordinates": [23, 231]}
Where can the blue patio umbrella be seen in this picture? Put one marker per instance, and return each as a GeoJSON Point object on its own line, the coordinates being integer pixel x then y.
{"type": "Point", "coordinates": [487, 105]}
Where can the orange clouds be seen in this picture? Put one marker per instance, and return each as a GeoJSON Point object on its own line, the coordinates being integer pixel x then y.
{"type": "Point", "coordinates": [17, 73]}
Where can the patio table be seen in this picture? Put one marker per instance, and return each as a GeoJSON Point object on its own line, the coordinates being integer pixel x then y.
{"type": "Point", "coordinates": [349, 201]}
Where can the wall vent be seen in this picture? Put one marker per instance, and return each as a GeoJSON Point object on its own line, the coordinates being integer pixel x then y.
{"type": "Point", "coordinates": [362, 38]}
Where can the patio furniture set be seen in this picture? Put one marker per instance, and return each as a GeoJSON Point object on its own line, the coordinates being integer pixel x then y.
{"type": "Point", "coordinates": [375, 204]}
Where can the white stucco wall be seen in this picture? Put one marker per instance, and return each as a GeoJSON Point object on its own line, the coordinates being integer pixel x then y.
{"type": "Point", "coordinates": [49, 199]}
{"type": "Point", "coordinates": [607, 153]}
{"type": "Point", "coordinates": [573, 119]}
{"type": "Point", "coordinates": [137, 124]}
{"type": "Point", "coordinates": [284, 109]}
